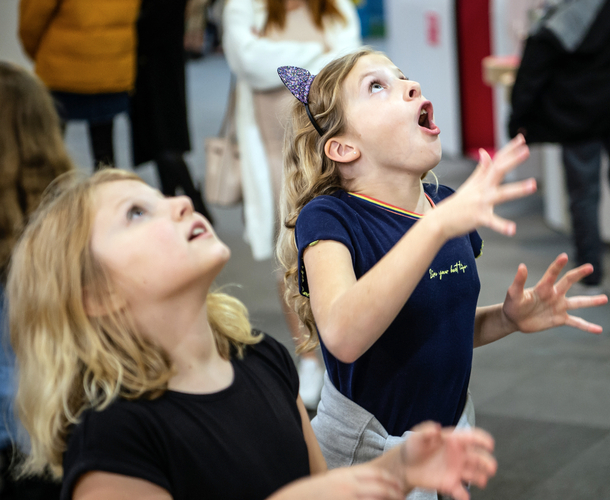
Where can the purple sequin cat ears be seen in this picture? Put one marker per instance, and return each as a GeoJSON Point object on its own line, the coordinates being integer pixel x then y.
{"type": "Point", "coordinates": [298, 81]}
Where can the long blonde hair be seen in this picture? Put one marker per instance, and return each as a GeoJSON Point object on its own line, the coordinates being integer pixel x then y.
{"type": "Point", "coordinates": [308, 172]}
{"type": "Point", "coordinates": [32, 151]}
{"type": "Point", "coordinates": [69, 361]}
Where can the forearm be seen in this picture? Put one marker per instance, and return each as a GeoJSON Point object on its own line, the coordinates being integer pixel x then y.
{"type": "Point", "coordinates": [491, 324]}
{"type": "Point", "coordinates": [297, 490]}
{"type": "Point", "coordinates": [355, 318]}
{"type": "Point", "coordinates": [317, 463]}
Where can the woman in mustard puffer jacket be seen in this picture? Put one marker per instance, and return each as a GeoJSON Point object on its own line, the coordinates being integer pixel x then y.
{"type": "Point", "coordinates": [85, 52]}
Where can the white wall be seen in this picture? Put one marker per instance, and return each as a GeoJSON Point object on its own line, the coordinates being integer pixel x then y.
{"type": "Point", "coordinates": [433, 65]}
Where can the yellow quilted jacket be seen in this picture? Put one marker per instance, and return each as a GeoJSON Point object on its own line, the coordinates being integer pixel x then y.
{"type": "Point", "coordinates": [81, 46]}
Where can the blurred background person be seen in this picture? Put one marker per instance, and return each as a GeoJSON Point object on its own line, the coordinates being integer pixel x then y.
{"type": "Point", "coordinates": [194, 29]}
{"type": "Point", "coordinates": [258, 37]}
{"type": "Point", "coordinates": [32, 154]}
{"type": "Point", "coordinates": [202, 31]}
{"type": "Point", "coordinates": [159, 121]}
{"type": "Point", "coordinates": [562, 94]}
{"type": "Point", "coordinates": [85, 54]}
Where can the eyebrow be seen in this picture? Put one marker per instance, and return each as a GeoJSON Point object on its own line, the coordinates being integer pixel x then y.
{"type": "Point", "coordinates": [129, 197]}
{"type": "Point", "coordinates": [393, 69]}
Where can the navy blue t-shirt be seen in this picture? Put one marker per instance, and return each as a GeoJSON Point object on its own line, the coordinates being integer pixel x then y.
{"type": "Point", "coordinates": [419, 368]}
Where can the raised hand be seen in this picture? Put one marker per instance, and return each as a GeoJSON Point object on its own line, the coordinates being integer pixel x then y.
{"type": "Point", "coordinates": [473, 204]}
{"type": "Point", "coordinates": [546, 305]}
{"type": "Point", "coordinates": [445, 459]}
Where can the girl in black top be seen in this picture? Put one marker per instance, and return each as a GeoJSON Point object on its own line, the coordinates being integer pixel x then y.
{"type": "Point", "coordinates": [136, 382]}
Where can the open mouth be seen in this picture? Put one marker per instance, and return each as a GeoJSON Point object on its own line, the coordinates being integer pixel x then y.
{"type": "Point", "coordinates": [197, 230]}
{"type": "Point", "coordinates": [425, 116]}
{"type": "Point", "coordinates": [425, 119]}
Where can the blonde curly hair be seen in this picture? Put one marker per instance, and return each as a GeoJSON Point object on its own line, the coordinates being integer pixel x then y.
{"type": "Point", "coordinates": [309, 173]}
{"type": "Point", "coordinates": [69, 361]}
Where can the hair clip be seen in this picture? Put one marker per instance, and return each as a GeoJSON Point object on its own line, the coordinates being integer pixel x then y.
{"type": "Point", "coordinates": [298, 81]}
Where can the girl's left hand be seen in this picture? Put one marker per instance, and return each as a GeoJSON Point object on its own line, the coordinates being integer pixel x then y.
{"type": "Point", "coordinates": [546, 305]}
{"type": "Point", "coordinates": [447, 459]}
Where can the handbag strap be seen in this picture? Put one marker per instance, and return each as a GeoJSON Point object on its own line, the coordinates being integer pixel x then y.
{"type": "Point", "coordinates": [228, 122]}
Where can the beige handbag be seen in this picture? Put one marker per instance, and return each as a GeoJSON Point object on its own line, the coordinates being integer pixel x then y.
{"type": "Point", "coordinates": [222, 170]}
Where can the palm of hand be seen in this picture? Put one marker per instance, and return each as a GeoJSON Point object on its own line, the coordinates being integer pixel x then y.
{"type": "Point", "coordinates": [546, 305]}
{"type": "Point", "coordinates": [474, 202]}
{"type": "Point", "coordinates": [436, 466]}
{"type": "Point", "coordinates": [444, 459]}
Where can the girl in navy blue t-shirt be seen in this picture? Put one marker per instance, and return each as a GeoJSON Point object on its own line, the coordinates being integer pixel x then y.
{"type": "Point", "coordinates": [381, 265]}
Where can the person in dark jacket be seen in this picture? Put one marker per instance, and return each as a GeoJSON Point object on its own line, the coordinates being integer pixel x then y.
{"type": "Point", "coordinates": [159, 120]}
{"type": "Point", "coordinates": [562, 95]}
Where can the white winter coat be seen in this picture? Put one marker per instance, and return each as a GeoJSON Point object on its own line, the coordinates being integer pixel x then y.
{"type": "Point", "coordinates": [255, 60]}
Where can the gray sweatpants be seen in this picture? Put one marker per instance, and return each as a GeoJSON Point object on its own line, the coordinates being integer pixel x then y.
{"type": "Point", "coordinates": [349, 435]}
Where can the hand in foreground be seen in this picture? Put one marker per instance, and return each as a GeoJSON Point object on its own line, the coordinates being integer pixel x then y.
{"type": "Point", "coordinates": [546, 305]}
{"type": "Point", "coordinates": [360, 482]}
{"type": "Point", "coordinates": [473, 204]}
{"type": "Point", "coordinates": [445, 459]}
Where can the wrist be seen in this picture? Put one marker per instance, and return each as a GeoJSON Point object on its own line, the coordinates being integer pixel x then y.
{"type": "Point", "coordinates": [508, 324]}
{"type": "Point", "coordinates": [394, 463]}
{"type": "Point", "coordinates": [437, 226]}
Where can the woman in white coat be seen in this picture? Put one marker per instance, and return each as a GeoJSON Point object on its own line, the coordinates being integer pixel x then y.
{"type": "Point", "coordinates": [260, 36]}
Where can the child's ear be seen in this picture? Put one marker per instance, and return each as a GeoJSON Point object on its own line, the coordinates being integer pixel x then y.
{"type": "Point", "coordinates": [339, 150]}
{"type": "Point", "coordinates": [96, 307]}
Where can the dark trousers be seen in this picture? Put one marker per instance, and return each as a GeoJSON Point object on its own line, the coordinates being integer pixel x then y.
{"type": "Point", "coordinates": [102, 144]}
{"type": "Point", "coordinates": [582, 163]}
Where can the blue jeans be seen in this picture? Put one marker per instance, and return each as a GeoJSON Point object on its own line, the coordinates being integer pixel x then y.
{"type": "Point", "coordinates": [582, 163]}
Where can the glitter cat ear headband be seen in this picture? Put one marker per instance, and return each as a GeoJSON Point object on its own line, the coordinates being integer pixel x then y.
{"type": "Point", "coordinates": [298, 81]}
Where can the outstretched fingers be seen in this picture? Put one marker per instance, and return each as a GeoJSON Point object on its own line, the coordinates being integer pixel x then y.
{"type": "Point", "coordinates": [515, 190]}
{"type": "Point", "coordinates": [479, 463]}
{"type": "Point", "coordinates": [552, 274]}
{"type": "Point", "coordinates": [501, 225]}
{"type": "Point", "coordinates": [518, 284]}
{"type": "Point", "coordinates": [474, 437]}
{"type": "Point", "coordinates": [584, 301]}
{"type": "Point", "coordinates": [583, 325]}
{"type": "Point", "coordinates": [478, 466]}
{"type": "Point", "coordinates": [484, 160]}
{"type": "Point", "coordinates": [572, 276]}
{"type": "Point", "coordinates": [509, 157]}
{"type": "Point", "coordinates": [490, 175]}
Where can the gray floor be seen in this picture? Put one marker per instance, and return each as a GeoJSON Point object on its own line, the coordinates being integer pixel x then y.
{"type": "Point", "coordinates": [545, 397]}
